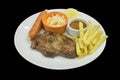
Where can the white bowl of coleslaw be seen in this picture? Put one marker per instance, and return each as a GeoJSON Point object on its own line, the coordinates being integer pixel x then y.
{"type": "Point", "coordinates": [55, 22]}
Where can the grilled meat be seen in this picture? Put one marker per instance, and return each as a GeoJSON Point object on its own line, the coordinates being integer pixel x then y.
{"type": "Point", "coordinates": [51, 44]}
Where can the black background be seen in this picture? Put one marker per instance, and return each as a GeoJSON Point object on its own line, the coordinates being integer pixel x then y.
{"type": "Point", "coordinates": [16, 11]}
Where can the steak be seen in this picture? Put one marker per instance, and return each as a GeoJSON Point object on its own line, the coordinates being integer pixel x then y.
{"type": "Point", "coordinates": [51, 45]}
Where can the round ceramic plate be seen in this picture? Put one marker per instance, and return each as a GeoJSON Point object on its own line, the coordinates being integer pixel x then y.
{"type": "Point", "coordinates": [22, 45]}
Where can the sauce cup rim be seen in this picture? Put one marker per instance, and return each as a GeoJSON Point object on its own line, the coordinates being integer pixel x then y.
{"type": "Point", "coordinates": [77, 19]}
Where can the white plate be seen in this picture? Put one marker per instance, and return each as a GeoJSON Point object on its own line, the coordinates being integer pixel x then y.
{"type": "Point", "coordinates": [22, 45]}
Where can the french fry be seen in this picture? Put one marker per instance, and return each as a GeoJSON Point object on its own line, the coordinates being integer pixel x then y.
{"type": "Point", "coordinates": [89, 40]}
{"type": "Point", "coordinates": [82, 54]}
{"type": "Point", "coordinates": [90, 46]}
{"type": "Point", "coordinates": [92, 34]}
{"type": "Point", "coordinates": [81, 43]}
{"type": "Point", "coordinates": [94, 29]}
{"type": "Point", "coordinates": [74, 38]}
{"type": "Point", "coordinates": [78, 50]}
{"type": "Point", "coordinates": [98, 43]}
{"type": "Point", "coordinates": [81, 29]}
{"type": "Point", "coordinates": [88, 30]}
{"type": "Point", "coordinates": [97, 37]}
{"type": "Point", "coordinates": [85, 50]}
{"type": "Point", "coordinates": [77, 47]}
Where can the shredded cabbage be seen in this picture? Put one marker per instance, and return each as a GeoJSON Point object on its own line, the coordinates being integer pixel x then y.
{"type": "Point", "coordinates": [55, 20]}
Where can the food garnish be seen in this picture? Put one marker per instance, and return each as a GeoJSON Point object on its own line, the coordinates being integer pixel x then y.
{"type": "Point", "coordinates": [71, 13]}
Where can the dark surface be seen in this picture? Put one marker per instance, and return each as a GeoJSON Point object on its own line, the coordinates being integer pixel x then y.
{"type": "Point", "coordinates": [104, 66]}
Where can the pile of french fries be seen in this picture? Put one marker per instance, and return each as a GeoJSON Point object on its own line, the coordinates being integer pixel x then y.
{"type": "Point", "coordinates": [89, 40]}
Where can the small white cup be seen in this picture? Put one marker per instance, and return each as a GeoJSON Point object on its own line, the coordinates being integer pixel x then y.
{"type": "Point", "coordinates": [75, 32]}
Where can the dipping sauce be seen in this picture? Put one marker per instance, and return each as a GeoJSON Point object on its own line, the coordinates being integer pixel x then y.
{"type": "Point", "coordinates": [75, 25]}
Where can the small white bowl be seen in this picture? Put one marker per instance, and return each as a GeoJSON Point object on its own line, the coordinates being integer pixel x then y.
{"type": "Point", "coordinates": [75, 32]}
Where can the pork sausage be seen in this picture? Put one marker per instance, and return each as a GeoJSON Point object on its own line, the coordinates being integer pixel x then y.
{"type": "Point", "coordinates": [36, 26]}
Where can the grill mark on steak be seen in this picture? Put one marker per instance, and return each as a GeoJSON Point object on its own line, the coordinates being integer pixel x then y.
{"type": "Point", "coordinates": [51, 45]}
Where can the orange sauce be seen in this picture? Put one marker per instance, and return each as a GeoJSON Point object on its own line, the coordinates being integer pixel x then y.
{"type": "Point", "coordinates": [75, 25]}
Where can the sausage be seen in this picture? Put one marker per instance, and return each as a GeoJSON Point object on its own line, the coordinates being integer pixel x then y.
{"type": "Point", "coordinates": [36, 26]}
